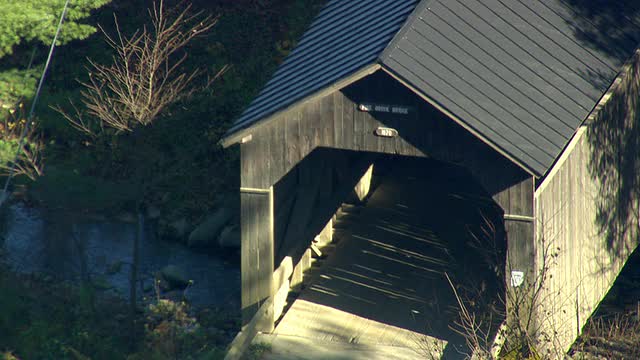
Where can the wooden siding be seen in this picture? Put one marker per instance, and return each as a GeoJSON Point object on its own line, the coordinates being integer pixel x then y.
{"type": "Point", "coordinates": [334, 121]}
{"type": "Point", "coordinates": [586, 210]}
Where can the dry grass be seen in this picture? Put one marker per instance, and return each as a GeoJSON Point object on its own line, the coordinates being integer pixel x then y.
{"type": "Point", "coordinates": [613, 337]}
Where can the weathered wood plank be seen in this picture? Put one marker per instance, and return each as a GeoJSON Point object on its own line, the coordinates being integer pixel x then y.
{"type": "Point", "coordinates": [278, 151]}
{"type": "Point", "coordinates": [338, 126]}
{"type": "Point", "coordinates": [307, 192]}
{"type": "Point", "coordinates": [246, 281]}
{"type": "Point", "coordinates": [292, 137]}
{"type": "Point", "coordinates": [348, 124]}
{"type": "Point", "coordinates": [257, 251]}
{"type": "Point", "coordinates": [327, 125]}
{"type": "Point", "coordinates": [306, 131]}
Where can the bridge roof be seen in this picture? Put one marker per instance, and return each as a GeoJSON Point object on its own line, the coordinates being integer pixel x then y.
{"type": "Point", "coordinates": [345, 37]}
{"type": "Point", "coordinates": [520, 74]}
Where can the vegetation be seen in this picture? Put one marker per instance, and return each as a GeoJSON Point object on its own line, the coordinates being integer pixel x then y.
{"type": "Point", "coordinates": [27, 23]}
{"type": "Point", "coordinates": [31, 22]}
{"type": "Point", "coordinates": [173, 150]}
{"type": "Point", "coordinates": [251, 37]}
{"type": "Point", "coordinates": [510, 323]}
{"type": "Point", "coordinates": [143, 79]}
{"type": "Point", "coordinates": [74, 323]}
{"type": "Point", "coordinates": [46, 320]}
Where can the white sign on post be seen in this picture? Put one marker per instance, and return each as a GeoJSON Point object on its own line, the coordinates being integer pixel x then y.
{"type": "Point", "coordinates": [517, 278]}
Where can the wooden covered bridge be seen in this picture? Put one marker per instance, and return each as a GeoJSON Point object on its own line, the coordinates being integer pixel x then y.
{"type": "Point", "coordinates": [408, 147]}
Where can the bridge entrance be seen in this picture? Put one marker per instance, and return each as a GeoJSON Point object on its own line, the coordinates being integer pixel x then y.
{"type": "Point", "coordinates": [379, 288]}
{"type": "Point", "coordinates": [430, 185]}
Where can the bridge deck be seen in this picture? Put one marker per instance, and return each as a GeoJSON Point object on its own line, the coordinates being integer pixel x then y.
{"type": "Point", "coordinates": [382, 294]}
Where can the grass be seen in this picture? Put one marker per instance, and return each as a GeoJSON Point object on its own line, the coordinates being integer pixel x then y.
{"type": "Point", "coordinates": [614, 337]}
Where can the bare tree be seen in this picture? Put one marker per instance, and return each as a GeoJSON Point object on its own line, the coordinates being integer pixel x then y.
{"type": "Point", "coordinates": [146, 76]}
{"type": "Point", "coordinates": [522, 333]}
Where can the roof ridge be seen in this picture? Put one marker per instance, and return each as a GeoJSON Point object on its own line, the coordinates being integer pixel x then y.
{"type": "Point", "coordinates": [403, 30]}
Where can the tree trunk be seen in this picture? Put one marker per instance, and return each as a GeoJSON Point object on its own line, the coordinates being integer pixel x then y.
{"type": "Point", "coordinates": [135, 260]}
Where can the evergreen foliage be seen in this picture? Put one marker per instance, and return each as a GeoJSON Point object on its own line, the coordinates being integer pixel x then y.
{"type": "Point", "coordinates": [27, 21]}
{"type": "Point", "coordinates": [34, 22]}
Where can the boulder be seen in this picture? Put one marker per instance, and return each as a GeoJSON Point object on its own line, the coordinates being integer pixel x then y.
{"type": "Point", "coordinates": [207, 232]}
{"type": "Point", "coordinates": [153, 212]}
{"type": "Point", "coordinates": [179, 228]}
{"type": "Point", "coordinates": [148, 287]}
{"type": "Point", "coordinates": [176, 229]}
{"type": "Point", "coordinates": [175, 277]}
{"type": "Point", "coordinates": [229, 237]}
{"type": "Point", "coordinates": [114, 268]}
{"type": "Point", "coordinates": [101, 283]}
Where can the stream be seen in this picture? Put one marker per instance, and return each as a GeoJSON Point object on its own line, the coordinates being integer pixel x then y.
{"type": "Point", "coordinates": [64, 246]}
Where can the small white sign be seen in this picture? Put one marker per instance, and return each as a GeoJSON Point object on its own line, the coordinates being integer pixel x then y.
{"type": "Point", "coordinates": [386, 132]}
{"type": "Point", "coordinates": [517, 278]}
{"type": "Point", "coordinates": [384, 108]}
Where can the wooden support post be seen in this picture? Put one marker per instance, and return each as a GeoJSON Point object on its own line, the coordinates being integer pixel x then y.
{"type": "Point", "coordinates": [325, 236]}
{"type": "Point", "coordinates": [517, 201]}
{"type": "Point", "coordinates": [256, 252]}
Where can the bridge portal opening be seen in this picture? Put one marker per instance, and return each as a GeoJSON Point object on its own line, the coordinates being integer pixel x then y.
{"type": "Point", "coordinates": [426, 236]}
{"type": "Point", "coordinates": [439, 201]}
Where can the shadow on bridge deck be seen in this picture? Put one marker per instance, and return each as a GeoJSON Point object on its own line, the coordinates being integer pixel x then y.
{"type": "Point", "coordinates": [382, 294]}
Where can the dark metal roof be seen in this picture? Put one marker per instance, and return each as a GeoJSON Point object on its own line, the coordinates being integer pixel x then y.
{"type": "Point", "coordinates": [346, 36]}
{"type": "Point", "coordinates": [523, 73]}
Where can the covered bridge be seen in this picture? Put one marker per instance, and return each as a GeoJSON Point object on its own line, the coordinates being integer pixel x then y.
{"type": "Point", "coordinates": [525, 103]}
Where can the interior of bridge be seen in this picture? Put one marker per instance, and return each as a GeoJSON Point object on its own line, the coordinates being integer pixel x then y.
{"type": "Point", "coordinates": [386, 281]}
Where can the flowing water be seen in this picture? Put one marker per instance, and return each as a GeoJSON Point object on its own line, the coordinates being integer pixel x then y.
{"type": "Point", "coordinates": [65, 246]}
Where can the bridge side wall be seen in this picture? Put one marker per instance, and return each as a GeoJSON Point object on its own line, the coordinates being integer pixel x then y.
{"type": "Point", "coordinates": [587, 212]}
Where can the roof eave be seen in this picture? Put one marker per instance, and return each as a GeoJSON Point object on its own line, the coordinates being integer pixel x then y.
{"type": "Point", "coordinates": [581, 131]}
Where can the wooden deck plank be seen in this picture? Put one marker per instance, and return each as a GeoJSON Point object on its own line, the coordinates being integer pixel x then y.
{"type": "Point", "coordinates": [296, 348]}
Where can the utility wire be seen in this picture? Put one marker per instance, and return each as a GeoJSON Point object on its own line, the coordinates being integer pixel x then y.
{"type": "Point", "coordinates": [4, 195]}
